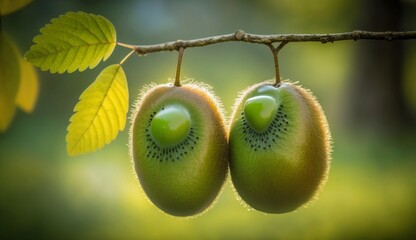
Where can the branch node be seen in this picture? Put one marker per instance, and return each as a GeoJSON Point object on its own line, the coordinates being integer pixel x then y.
{"type": "Point", "coordinates": [139, 51]}
{"type": "Point", "coordinates": [389, 36]}
{"type": "Point", "coordinates": [327, 38]}
{"type": "Point", "coordinates": [239, 34]}
{"type": "Point", "coordinates": [179, 44]}
{"type": "Point", "coordinates": [356, 34]}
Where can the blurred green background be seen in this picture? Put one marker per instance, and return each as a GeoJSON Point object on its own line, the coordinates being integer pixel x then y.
{"type": "Point", "coordinates": [371, 191]}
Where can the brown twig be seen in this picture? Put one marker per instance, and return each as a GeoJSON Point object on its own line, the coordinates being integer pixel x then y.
{"type": "Point", "coordinates": [269, 39]}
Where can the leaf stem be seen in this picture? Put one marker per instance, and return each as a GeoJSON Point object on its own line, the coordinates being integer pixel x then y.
{"type": "Point", "coordinates": [127, 57]}
{"type": "Point", "coordinates": [125, 45]}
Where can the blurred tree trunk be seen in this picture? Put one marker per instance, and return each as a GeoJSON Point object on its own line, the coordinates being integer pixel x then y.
{"type": "Point", "coordinates": [376, 100]}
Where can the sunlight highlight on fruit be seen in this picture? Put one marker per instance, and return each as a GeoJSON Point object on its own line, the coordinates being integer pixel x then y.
{"type": "Point", "coordinates": [171, 125]}
{"type": "Point", "coordinates": [260, 111]}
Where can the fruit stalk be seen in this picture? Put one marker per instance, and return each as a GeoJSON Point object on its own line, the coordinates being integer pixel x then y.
{"type": "Point", "coordinates": [178, 67]}
{"type": "Point", "coordinates": [275, 52]}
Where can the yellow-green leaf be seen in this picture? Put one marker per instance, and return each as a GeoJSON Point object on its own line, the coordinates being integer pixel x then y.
{"type": "Point", "coordinates": [9, 80]}
{"type": "Point", "coordinates": [100, 114]}
{"type": "Point", "coordinates": [76, 40]}
{"type": "Point", "coordinates": [9, 6]}
{"type": "Point", "coordinates": [29, 87]}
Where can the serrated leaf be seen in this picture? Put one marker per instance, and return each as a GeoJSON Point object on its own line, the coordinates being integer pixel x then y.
{"type": "Point", "coordinates": [76, 40]}
{"type": "Point", "coordinates": [9, 6]}
{"type": "Point", "coordinates": [100, 114]}
{"type": "Point", "coordinates": [9, 80]}
{"type": "Point", "coordinates": [29, 87]}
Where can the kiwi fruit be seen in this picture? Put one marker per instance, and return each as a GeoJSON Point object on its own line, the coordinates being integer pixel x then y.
{"type": "Point", "coordinates": [279, 147]}
{"type": "Point", "coordinates": [179, 147]}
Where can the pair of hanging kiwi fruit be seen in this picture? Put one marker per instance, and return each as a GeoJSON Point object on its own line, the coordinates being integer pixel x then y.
{"type": "Point", "coordinates": [277, 146]}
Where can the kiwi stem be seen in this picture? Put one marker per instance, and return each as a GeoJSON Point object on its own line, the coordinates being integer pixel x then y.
{"type": "Point", "coordinates": [275, 51]}
{"type": "Point", "coordinates": [276, 64]}
{"type": "Point", "coordinates": [178, 67]}
{"type": "Point", "coordinates": [281, 45]}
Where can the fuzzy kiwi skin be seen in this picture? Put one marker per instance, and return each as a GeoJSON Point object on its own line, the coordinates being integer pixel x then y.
{"type": "Point", "coordinates": [282, 168]}
{"type": "Point", "coordinates": [186, 182]}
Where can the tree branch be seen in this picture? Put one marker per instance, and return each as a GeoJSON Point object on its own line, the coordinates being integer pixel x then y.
{"type": "Point", "coordinates": [270, 39]}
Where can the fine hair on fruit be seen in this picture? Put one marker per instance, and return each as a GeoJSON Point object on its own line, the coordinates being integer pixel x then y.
{"type": "Point", "coordinates": [280, 147]}
{"type": "Point", "coordinates": [179, 146]}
